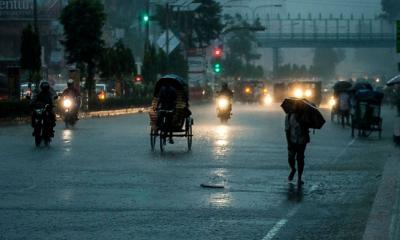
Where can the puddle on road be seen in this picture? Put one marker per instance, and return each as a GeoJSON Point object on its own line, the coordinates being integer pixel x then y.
{"type": "Point", "coordinates": [221, 143]}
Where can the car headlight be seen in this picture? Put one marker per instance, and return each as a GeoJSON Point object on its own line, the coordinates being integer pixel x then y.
{"type": "Point", "coordinates": [247, 90]}
{"type": "Point", "coordinates": [223, 103]}
{"type": "Point", "coordinates": [308, 93]}
{"type": "Point", "coordinates": [67, 103]}
{"type": "Point", "coordinates": [332, 102]}
{"type": "Point", "coordinates": [298, 93]}
{"type": "Point", "coordinates": [268, 100]}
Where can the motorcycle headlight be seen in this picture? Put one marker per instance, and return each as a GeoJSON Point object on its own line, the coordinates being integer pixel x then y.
{"type": "Point", "coordinates": [298, 93]}
{"type": "Point", "coordinates": [268, 100]}
{"type": "Point", "coordinates": [223, 103]}
{"type": "Point", "coordinates": [67, 103]}
{"type": "Point", "coordinates": [308, 93]}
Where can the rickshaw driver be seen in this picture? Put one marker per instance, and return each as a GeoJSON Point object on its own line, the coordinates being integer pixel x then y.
{"type": "Point", "coordinates": [167, 102]}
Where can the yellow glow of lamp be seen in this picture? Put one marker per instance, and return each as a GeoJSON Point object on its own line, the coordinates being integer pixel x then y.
{"type": "Point", "coordinates": [298, 93]}
{"type": "Point", "coordinates": [102, 96]}
{"type": "Point", "coordinates": [308, 93]}
{"type": "Point", "coordinates": [332, 102]}
{"type": "Point", "coordinates": [247, 90]}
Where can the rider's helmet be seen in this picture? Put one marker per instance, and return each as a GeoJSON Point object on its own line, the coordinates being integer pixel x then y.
{"type": "Point", "coordinates": [70, 83]}
{"type": "Point", "coordinates": [224, 85]}
{"type": "Point", "coordinates": [44, 86]}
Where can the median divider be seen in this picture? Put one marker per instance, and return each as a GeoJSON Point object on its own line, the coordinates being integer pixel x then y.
{"type": "Point", "coordinates": [82, 115]}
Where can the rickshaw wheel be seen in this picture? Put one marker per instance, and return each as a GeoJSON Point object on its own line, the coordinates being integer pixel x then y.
{"type": "Point", "coordinates": [153, 137]}
{"type": "Point", "coordinates": [162, 140]}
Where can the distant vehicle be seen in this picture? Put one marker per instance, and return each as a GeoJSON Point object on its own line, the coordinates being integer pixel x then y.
{"type": "Point", "coordinates": [279, 91]}
{"type": "Point", "coordinates": [101, 87]}
{"type": "Point", "coordinates": [249, 91]}
{"type": "Point", "coordinates": [3, 87]}
{"type": "Point", "coordinates": [310, 90]}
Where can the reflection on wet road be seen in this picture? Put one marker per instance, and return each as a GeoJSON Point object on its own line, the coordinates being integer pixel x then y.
{"type": "Point", "coordinates": [99, 180]}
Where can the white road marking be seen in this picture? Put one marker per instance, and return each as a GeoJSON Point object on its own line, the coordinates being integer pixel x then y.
{"type": "Point", "coordinates": [282, 222]}
{"type": "Point", "coordinates": [344, 150]}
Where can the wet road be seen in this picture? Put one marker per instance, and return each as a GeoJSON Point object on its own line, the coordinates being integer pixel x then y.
{"type": "Point", "coordinates": [101, 181]}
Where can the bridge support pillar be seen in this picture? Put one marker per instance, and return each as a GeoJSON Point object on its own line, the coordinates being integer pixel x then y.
{"type": "Point", "coordinates": [275, 61]}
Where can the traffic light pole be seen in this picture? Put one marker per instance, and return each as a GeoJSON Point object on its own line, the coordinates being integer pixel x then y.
{"type": "Point", "coordinates": [147, 26]}
{"type": "Point", "coordinates": [398, 41]}
{"type": "Point", "coordinates": [167, 37]}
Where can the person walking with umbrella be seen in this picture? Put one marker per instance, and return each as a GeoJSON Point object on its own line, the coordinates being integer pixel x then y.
{"type": "Point", "coordinates": [300, 116]}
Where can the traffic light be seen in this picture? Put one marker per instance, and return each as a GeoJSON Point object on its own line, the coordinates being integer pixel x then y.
{"type": "Point", "coordinates": [217, 52]}
{"type": "Point", "coordinates": [217, 55]}
{"type": "Point", "coordinates": [217, 67]}
{"type": "Point", "coordinates": [145, 18]}
{"type": "Point", "coordinates": [138, 79]}
{"type": "Point", "coordinates": [398, 36]}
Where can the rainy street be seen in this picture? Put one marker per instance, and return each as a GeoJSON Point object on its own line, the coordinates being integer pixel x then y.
{"type": "Point", "coordinates": [100, 180]}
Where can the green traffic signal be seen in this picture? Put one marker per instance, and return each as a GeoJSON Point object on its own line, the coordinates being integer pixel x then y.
{"type": "Point", "coordinates": [146, 18]}
{"type": "Point", "coordinates": [217, 68]}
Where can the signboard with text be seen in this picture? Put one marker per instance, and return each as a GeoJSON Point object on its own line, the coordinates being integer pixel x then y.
{"type": "Point", "coordinates": [23, 9]}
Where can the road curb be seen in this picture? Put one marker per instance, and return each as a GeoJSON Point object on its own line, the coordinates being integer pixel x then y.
{"type": "Point", "coordinates": [384, 216]}
{"type": "Point", "coordinates": [99, 114]}
{"type": "Point", "coordinates": [82, 115]}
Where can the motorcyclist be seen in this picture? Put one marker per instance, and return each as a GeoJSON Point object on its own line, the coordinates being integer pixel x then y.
{"type": "Point", "coordinates": [226, 92]}
{"type": "Point", "coordinates": [73, 93]}
{"type": "Point", "coordinates": [44, 98]}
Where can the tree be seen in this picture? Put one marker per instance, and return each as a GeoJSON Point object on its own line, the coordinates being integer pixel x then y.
{"type": "Point", "coordinates": [241, 44]}
{"type": "Point", "coordinates": [207, 22]}
{"type": "Point", "coordinates": [197, 28]}
{"type": "Point", "coordinates": [325, 61]}
{"type": "Point", "coordinates": [30, 53]}
{"type": "Point", "coordinates": [83, 21]}
{"type": "Point", "coordinates": [118, 62]}
{"type": "Point", "coordinates": [150, 67]}
{"type": "Point", "coordinates": [391, 8]}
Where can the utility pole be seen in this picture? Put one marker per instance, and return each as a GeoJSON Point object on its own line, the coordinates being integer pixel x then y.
{"type": "Point", "coordinates": [167, 37]}
{"type": "Point", "coordinates": [35, 24]}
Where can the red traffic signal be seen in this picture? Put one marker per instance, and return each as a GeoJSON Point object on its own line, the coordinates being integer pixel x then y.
{"type": "Point", "coordinates": [217, 52]}
{"type": "Point", "coordinates": [138, 78]}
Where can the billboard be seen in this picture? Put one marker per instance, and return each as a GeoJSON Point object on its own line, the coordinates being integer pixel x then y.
{"type": "Point", "coordinates": [23, 9]}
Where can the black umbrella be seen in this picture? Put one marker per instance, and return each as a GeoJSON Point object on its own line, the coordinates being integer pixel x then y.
{"type": "Point", "coordinates": [362, 85]}
{"type": "Point", "coordinates": [310, 115]}
{"type": "Point", "coordinates": [342, 86]}
{"type": "Point", "coordinates": [171, 80]}
{"type": "Point", "coordinates": [394, 81]}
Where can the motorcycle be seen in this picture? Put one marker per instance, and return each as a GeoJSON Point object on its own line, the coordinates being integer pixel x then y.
{"type": "Point", "coordinates": [224, 108]}
{"type": "Point", "coordinates": [42, 123]}
{"type": "Point", "coordinates": [69, 111]}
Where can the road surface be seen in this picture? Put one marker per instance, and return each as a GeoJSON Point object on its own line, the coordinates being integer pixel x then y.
{"type": "Point", "coordinates": [101, 181]}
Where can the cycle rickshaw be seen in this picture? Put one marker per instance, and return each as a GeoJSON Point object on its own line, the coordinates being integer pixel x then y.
{"type": "Point", "coordinates": [341, 87]}
{"type": "Point", "coordinates": [366, 113]}
{"type": "Point", "coordinates": [180, 123]}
